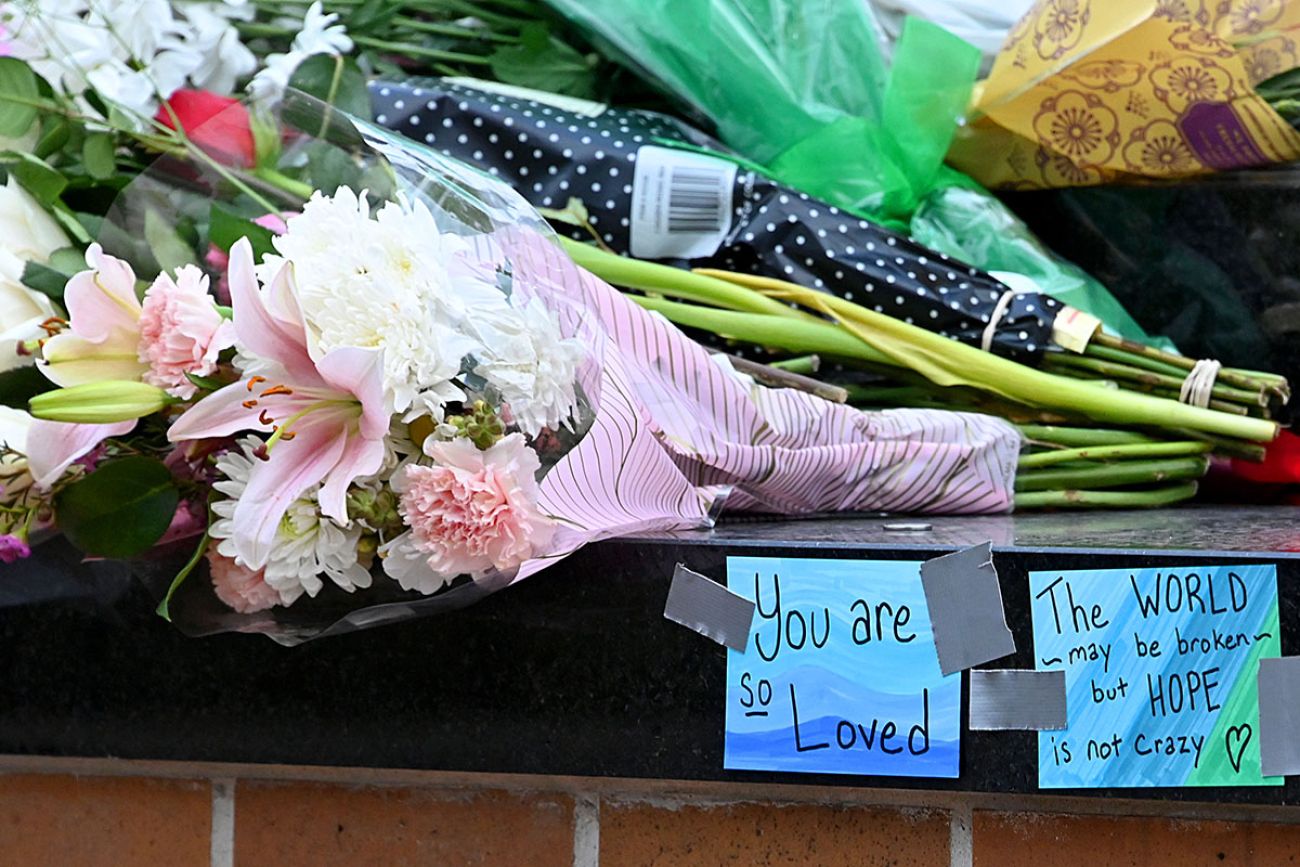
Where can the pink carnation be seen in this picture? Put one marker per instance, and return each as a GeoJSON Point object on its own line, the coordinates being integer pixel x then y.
{"type": "Point", "coordinates": [13, 549]}
{"type": "Point", "coordinates": [242, 589]}
{"type": "Point", "coordinates": [474, 511]}
{"type": "Point", "coordinates": [181, 331]}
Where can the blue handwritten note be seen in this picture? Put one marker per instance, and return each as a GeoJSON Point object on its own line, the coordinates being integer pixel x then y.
{"type": "Point", "coordinates": [1161, 671]}
{"type": "Point", "coordinates": [840, 675]}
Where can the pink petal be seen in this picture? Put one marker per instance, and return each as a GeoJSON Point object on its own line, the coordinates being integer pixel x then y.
{"type": "Point", "coordinates": [359, 372]}
{"type": "Point", "coordinates": [52, 446]}
{"type": "Point", "coordinates": [221, 413]}
{"type": "Point", "coordinates": [361, 457]}
{"type": "Point", "coordinates": [294, 466]}
{"type": "Point", "coordinates": [103, 298]}
{"type": "Point", "coordinates": [263, 333]}
{"type": "Point", "coordinates": [68, 359]}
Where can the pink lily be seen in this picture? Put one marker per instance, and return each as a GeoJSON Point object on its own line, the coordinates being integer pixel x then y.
{"type": "Point", "coordinates": [53, 446]}
{"type": "Point", "coordinates": [101, 342]}
{"type": "Point", "coordinates": [327, 418]}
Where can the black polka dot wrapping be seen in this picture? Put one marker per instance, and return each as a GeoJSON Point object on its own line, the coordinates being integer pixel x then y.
{"type": "Point", "coordinates": [554, 152]}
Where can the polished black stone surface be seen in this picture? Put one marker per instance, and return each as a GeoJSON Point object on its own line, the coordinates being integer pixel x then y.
{"type": "Point", "coordinates": [574, 671]}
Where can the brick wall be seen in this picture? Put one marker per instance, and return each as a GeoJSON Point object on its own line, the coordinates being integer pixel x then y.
{"type": "Point", "coordinates": [125, 814]}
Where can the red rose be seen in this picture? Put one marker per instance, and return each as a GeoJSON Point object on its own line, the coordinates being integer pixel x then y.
{"type": "Point", "coordinates": [1281, 464]}
{"type": "Point", "coordinates": [217, 124]}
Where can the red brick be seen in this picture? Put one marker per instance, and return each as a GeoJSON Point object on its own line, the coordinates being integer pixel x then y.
{"type": "Point", "coordinates": [639, 835]}
{"type": "Point", "coordinates": [110, 821]}
{"type": "Point", "coordinates": [1035, 839]}
{"type": "Point", "coordinates": [287, 825]}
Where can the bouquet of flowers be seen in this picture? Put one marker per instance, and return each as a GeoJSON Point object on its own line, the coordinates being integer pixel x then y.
{"type": "Point", "coordinates": [399, 394]}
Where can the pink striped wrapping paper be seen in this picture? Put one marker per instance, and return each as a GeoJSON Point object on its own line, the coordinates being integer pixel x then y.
{"type": "Point", "coordinates": [677, 433]}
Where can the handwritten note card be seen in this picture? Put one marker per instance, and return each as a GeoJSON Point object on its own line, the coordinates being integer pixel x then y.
{"type": "Point", "coordinates": [1161, 673]}
{"type": "Point", "coordinates": [840, 675]}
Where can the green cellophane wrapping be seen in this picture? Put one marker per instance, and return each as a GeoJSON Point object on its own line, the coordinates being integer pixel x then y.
{"type": "Point", "coordinates": [800, 87]}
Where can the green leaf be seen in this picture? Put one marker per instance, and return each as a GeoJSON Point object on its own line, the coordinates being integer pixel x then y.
{"type": "Point", "coordinates": [76, 224]}
{"type": "Point", "coordinates": [207, 383]}
{"type": "Point", "coordinates": [225, 227]}
{"type": "Point", "coordinates": [38, 177]}
{"type": "Point", "coordinates": [119, 510]}
{"type": "Point", "coordinates": [53, 138]}
{"type": "Point", "coordinates": [18, 97]}
{"type": "Point", "coordinates": [21, 384]}
{"type": "Point", "coordinates": [44, 279]}
{"type": "Point", "coordinates": [98, 156]}
{"type": "Point", "coordinates": [544, 63]}
{"type": "Point", "coordinates": [331, 167]}
{"type": "Point", "coordinates": [335, 80]}
{"type": "Point", "coordinates": [164, 607]}
{"type": "Point", "coordinates": [51, 278]}
{"type": "Point", "coordinates": [371, 17]}
{"type": "Point", "coordinates": [165, 242]}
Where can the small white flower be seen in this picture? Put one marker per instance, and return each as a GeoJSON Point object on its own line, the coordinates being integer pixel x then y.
{"type": "Point", "coordinates": [133, 53]}
{"type": "Point", "coordinates": [530, 363]}
{"type": "Point", "coordinates": [318, 34]}
{"type": "Point", "coordinates": [307, 544]}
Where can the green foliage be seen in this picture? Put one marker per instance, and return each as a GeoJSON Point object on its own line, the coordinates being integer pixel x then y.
{"type": "Point", "coordinates": [164, 607]}
{"type": "Point", "coordinates": [21, 384]}
{"type": "Point", "coordinates": [38, 177]}
{"type": "Point", "coordinates": [164, 239]}
{"type": "Point", "coordinates": [543, 62]}
{"type": "Point", "coordinates": [51, 278]}
{"type": "Point", "coordinates": [337, 81]}
{"type": "Point", "coordinates": [18, 97]}
{"type": "Point", "coordinates": [98, 157]}
{"type": "Point", "coordinates": [225, 227]}
{"type": "Point", "coordinates": [119, 510]}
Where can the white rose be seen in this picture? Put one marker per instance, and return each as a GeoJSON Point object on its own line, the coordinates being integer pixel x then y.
{"type": "Point", "coordinates": [27, 234]}
{"type": "Point", "coordinates": [26, 229]}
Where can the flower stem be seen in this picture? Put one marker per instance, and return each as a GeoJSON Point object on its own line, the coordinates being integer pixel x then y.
{"type": "Point", "coordinates": [947, 362]}
{"type": "Point", "coordinates": [1117, 475]}
{"type": "Point", "coordinates": [282, 181]}
{"type": "Point", "coordinates": [793, 335]}
{"type": "Point", "coordinates": [666, 280]}
{"type": "Point", "coordinates": [1113, 370]}
{"type": "Point", "coordinates": [456, 30]}
{"type": "Point", "coordinates": [1109, 453]}
{"type": "Point", "coordinates": [1079, 437]}
{"type": "Point", "coordinates": [1163, 495]}
{"type": "Point", "coordinates": [805, 365]}
{"type": "Point", "coordinates": [1247, 379]}
{"type": "Point", "coordinates": [412, 50]}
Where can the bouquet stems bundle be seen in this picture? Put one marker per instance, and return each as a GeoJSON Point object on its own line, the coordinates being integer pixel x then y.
{"type": "Point", "coordinates": [1069, 462]}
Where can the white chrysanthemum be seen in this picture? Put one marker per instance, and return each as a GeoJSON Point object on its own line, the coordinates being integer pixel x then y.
{"type": "Point", "coordinates": [391, 281]}
{"type": "Point", "coordinates": [307, 544]}
{"type": "Point", "coordinates": [530, 363]}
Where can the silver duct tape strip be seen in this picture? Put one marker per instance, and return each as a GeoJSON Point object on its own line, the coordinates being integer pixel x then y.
{"type": "Point", "coordinates": [965, 602]}
{"type": "Point", "coordinates": [1015, 699]}
{"type": "Point", "coordinates": [709, 608]}
{"type": "Point", "coordinates": [1279, 716]}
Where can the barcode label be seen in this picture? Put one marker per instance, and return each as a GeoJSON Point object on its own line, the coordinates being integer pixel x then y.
{"type": "Point", "coordinates": [681, 204]}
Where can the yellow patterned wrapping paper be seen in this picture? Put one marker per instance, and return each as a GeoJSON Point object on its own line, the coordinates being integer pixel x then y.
{"type": "Point", "coordinates": [1097, 91]}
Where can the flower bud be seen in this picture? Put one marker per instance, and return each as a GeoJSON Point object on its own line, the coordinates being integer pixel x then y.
{"type": "Point", "coordinates": [100, 402]}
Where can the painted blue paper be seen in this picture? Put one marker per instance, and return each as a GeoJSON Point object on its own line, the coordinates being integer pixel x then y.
{"type": "Point", "coordinates": [1161, 670]}
{"type": "Point", "coordinates": [840, 675]}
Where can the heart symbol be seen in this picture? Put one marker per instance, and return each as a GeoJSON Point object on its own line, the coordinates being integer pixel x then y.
{"type": "Point", "coordinates": [1240, 736]}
